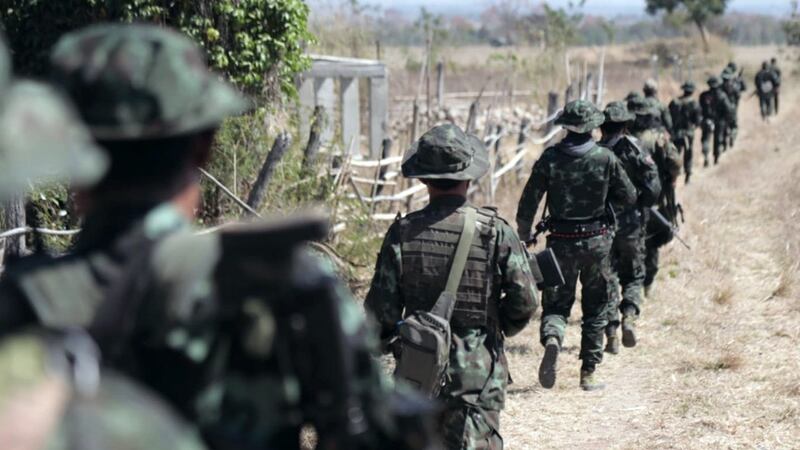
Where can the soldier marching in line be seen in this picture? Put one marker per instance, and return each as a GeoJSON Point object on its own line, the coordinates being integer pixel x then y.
{"type": "Point", "coordinates": [650, 90]}
{"type": "Point", "coordinates": [654, 141]}
{"type": "Point", "coordinates": [766, 82]}
{"type": "Point", "coordinates": [734, 86]}
{"type": "Point", "coordinates": [776, 76]}
{"type": "Point", "coordinates": [686, 117]}
{"type": "Point", "coordinates": [628, 250]}
{"type": "Point", "coordinates": [495, 297]}
{"type": "Point", "coordinates": [717, 110]}
{"type": "Point", "coordinates": [580, 179]}
{"type": "Point", "coordinates": [147, 287]}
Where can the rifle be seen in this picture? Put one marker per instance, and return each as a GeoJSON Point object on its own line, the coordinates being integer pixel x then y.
{"type": "Point", "coordinates": [263, 269]}
{"type": "Point", "coordinates": [667, 224]}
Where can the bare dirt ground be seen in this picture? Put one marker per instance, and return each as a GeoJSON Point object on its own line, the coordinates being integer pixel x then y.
{"type": "Point", "coordinates": [718, 360]}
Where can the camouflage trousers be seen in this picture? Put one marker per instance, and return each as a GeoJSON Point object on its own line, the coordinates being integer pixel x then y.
{"type": "Point", "coordinates": [713, 131]}
{"type": "Point", "coordinates": [470, 428]}
{"type": "Point", "coordinates": [651, 264]}
{"type": "Point", "coordinates": [686, 147]}
{"type": "Point", "coordinates": [628, 260]}
{"type": "Point", "coordinates": [765, 102]}
{"type": "Point", "coordinates": [732, 130]}
{"type": "Point", "coordinates": [590, 260]}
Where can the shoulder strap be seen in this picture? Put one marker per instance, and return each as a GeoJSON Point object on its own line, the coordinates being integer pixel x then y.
{"type": "Point", "coordinates": [462, 251]}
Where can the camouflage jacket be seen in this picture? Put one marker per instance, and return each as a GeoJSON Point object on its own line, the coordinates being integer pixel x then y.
{"type": "Point", "coordinates": [664, 153]}
{"type": "Point", "coordinates": [715, 106]}
{"type": "Point", "coordinates": [640, 168]}
{"type": "Point", "coordinates": [182, 344]}
{"type": "Point", "coordinates": [734, 88]}
{"type": "Point", "coordinates": [580, 180]}
{"type": "Point", "coordinates": [686, 116]}
{"type": "Point", "coordinates": [766, 81]}
{"type": "Point", "coordinates": [478, 371]}
{"type": "Point", "coordinates": [665, 118]}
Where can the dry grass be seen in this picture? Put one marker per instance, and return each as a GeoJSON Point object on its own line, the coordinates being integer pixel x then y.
{"type": "Point", "coordinates": [723, 295]}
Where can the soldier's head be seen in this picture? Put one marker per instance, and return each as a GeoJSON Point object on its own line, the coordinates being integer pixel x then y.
{"type": "Point", "coordinates": [765, 65]}
{"type": "Point", "coordinates": [727, 75]}
{"type": "Point", "coordinates": [151, 102]}
{"type": "Point", "coordinates": [774, 61]}
{"type": "Point", "coordinates": [41, 138]}
{"type": "Point", "coordinates": [650, 88]}
{"type": "Point", "coordinates": [617, 118]}
{"type": "Point", "coordinates": [732, 66]}
{"type": "Point", "coordinates": [714, 82]}
{"type": "Point", "coordinates": [688, 88]}
{"type": "Point", "coordinates": [646, 113]}
{"type": "Point", "coordinates": [446, 159]}
{"type": "Point", "coordinates": [580, 117]}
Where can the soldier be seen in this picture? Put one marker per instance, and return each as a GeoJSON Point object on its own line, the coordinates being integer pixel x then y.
{"type": "Point", "coordinates": [655, 142]}
{"type": "Point", "coordinates": [734, 86]}
{"type": "Point", "coordinates": [628, 249]}
{"type": "Point", "coordinates": [765, 87]}
{"type": "Point", "coordinates": [716, 111]}
{"type": "Point", "coordinates": [686, 116]}
{"type": "Point", "coordinates": [651, 92]}
{"type": "Point", "coordinates": [149, 289]}
{"type": "Point", "coordinates": [53, 393]}
{"type": "Point", "coordinates": [495, 297]}
{"type": "Point", "coordinates": [776, 76]}
{"type": "Point", "coordinates": [580, 179]}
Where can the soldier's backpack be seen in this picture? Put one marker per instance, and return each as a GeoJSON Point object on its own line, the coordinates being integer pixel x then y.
{"type": "Point", "coordinates": [425, 336]}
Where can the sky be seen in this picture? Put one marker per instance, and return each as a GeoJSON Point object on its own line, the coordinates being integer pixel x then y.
{"type": "Point", "coordinates": [608, 8]}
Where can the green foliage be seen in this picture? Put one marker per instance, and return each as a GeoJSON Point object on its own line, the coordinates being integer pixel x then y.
{"type": "Point", "coordinates": [699, 11]}
{"type": "Point", "coordinates": [561, 28]}
{"type": "Point", "coordinates": [258, 44]}
{"type": "Point", "coordinates": [791, 27]}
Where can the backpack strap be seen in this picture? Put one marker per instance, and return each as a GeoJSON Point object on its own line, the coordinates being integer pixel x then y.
{"type": "Point", "coordinates": [445, 303]}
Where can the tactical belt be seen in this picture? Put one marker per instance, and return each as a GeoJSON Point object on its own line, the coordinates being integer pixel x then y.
{"type": "Point", "coordinates": [578, 230]}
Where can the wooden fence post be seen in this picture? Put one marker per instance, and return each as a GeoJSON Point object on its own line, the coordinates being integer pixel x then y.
{"type": "Point", "coordinates": [552, 107]}
{"type": "Point", "coordinates": [314, 138]}
{"type": "Point", "coordinates": [259, 190]}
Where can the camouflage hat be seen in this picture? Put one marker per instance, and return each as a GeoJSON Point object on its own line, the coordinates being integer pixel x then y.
{"type": "Point", "coordinates": [688, 87]}
{"type": "Point", "coordinates": [732, 66]}
{"type": "Point", "coordinates": [617, 112]}
{"type": "Point", "coordinates": [727, 74]}
{"type": "Point", "coordinates": [446, 152]}
{"type": "Point", "coordinates": [43, 140]}
{"type": "Point", "coordinates": [141, 82]}
{"type": "Point", "coordinates": [650, 86]}
{"type": "Point", "coordinates": [642, 107]}
{"type": "Point", "coordinates": [714, 82]}
{"type": "Point", "coordinates": [580, 116]}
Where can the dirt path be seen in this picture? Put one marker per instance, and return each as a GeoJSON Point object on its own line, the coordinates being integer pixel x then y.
{"type": "Point", "coordinates": [718, 364]}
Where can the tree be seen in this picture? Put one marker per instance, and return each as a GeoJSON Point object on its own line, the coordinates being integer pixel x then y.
{"type": "Point", "coordinates": [258, 44]}
{"type": "Point", "coordinates": [791, 27]}
{"type": "Point", "coordinates": [697, 11]}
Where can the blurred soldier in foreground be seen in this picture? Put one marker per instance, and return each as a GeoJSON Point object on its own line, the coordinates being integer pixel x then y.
{"type": "Point", "coordinates": [493, 298]}
{"type": "Point", "coordinates": [628, 249]}
{"type": "Point", "coordinates": [734, 86]}
{"type": "Point", "coordinates": [651, 92]}
{"type": "Point", "coordinates": [53, 393]}
{"type": "Point", "coordinates": [766, 83]}
{"type": "Point", "coordinates": [776, 76]}
{"type": "Point", "coordinates": [686, 116]}
{"type": "Point", "coordinates": [222, 326]}
{"type": "Point", "coordinates": [716, 111]}
{"type": "Point", "coordinates": [580, 179]}
{"type": "Point", "coordinates": [655, 142]}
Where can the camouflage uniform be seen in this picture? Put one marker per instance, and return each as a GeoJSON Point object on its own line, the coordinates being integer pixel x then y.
{"type": "Point", "coordinates": [717, 110]}
{"type": "Point", "coordinates": [496, 296]}
{"type": "Point", "coordinates": [656, 143]}
{"type": "Point", "coordinates": [686, 116]}
{"type": "Point", "coordinates": [210, 358]}
{"type": "Point", "coordinates": [52, 392]}
{"type": "Point", "coordinates": [628, 249]}
{"type": "Point", "coordinates": [766, 82]}
{"type": "Point", "coordinates": [776, 76]}
{"type": "Point", "coordinates": [665, 119]}
{"type": "Point", "coordinates": [580, 178]}
{"type": "Point", "coordinates": [734, 86]}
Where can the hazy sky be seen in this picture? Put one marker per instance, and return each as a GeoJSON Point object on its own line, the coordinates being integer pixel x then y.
{"type": "Point", "coordinates": [597, 7]}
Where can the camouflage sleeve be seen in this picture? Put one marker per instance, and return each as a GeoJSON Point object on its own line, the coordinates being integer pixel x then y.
{"type": "Point", "coordinates": [534, 190]}
{"type": "Point", "coordinates": [666, 117]}
{"type": "Point", "coordinates": [520, 301]}
{"type": "Point", "coordinates": [674, 160]}
{"type": "Point", "coordinates": [384, 301]}
{"type": "Point", "coordinates": [620, 189]}
{"type": "Point", "coordinates": [649, 182]}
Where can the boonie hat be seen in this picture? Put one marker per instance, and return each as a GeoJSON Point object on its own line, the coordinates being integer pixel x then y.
{"type": "Point", "coordinates": [446, 152]}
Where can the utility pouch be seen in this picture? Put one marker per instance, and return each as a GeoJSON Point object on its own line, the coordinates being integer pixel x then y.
{"type": "Point", "coordinates": [425, 336]}
{"type": "Point", "coordinates": [546, 270]}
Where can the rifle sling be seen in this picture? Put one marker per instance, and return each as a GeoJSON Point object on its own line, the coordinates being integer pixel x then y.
{"type": "Point", "coordinates": [444, 304]}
